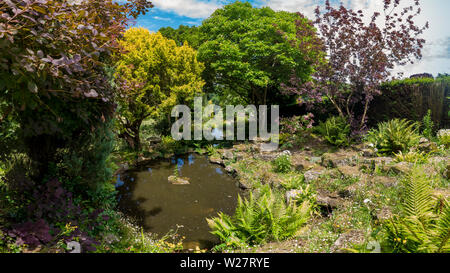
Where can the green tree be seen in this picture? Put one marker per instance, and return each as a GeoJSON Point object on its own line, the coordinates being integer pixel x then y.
{"type": "Point", "coordinates": [247, 52]}
{"type": "Point", "coordinates": [182, 34]}
{"type": "Point", "coordinates": [53, 81]}
{"type": "Point", "coordinates": [154, 75]}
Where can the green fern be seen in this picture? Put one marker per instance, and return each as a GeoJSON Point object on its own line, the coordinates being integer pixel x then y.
{"type": "Point", "coordinates": [258, 220]}
{"type": "Point", "coordinates": [420, 228]}
{"type": "Point", "coordinates": [336, 131]}
{"type": "Point", "coordinates": [394, 136]}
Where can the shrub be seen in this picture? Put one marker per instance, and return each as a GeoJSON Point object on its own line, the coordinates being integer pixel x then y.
{"type": "Point", "coordinates": [424, 224]}
{"type": "Point", "coordinates": [427, 125]}
{"type": "Point", "coordinates": [444, 138]}
{"type": "Point", "coordinates": [169, 145]}
{"type": "Point", "coordinates": [261, 219]}
{"type": "Point", "coordinates": [53, 216]}
{"type": "Point", "coordinates": [282, 163]}
{"type": "Point", "coordinates": [412, 157]}
{"type": "Point", "coordinates": [295, 128]}
{"type": "Point", "coordinates": [336, 131]}
{"type": "Point", "coordinates": [397, 135]}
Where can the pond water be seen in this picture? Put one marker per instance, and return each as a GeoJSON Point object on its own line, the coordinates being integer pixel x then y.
{"type": "Point", "coordinates": [159, 206]}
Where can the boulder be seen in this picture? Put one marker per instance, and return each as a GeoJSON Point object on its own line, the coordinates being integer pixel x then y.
{"type": "Point", "coordinates": [426, 146]}
{"type": "Point", "coordinates": [329, 201]}
{"type": "Point", "coordinates": [313, 175]}
{"type": "Point", "coordinates": [340, 158]}
{"type": "Point", "coordinates": [400, 168]}
{"type": "Point", "coordinates": [240, 147]}
{"type": "Point", "coordinates": [301, 164]}
{"type": "Point", "coordinates": [386, 181]}
{"type": "Point", "coordinates": [216, 160]}
{"type": "Point", "coordinates": [349, 171]}
{"type": "Point", "coordinates": [230, 170]}
{"type": "Point", "coordinates": [123, 168]}
{"type": "Point", "coordinates": [378, 161]}
{"type": "Point", "coordinates": [154, 140]}
{"type": "Point", "coordinates": [228, 155]}
{"type": "Point", "coordinates": [175, 180]}
{"type": "Point", "coordinates": [368, 153]}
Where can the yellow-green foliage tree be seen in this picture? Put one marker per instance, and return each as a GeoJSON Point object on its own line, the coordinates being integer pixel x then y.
{"type": "Point", "coordinates": [154, 75]}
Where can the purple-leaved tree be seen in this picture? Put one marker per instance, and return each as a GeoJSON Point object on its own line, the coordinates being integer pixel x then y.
{"type": "Point", "coordinates": [361, 52]}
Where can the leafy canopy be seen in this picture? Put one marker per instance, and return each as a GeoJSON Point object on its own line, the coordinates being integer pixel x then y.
{"type": "Point", "coordinates": [361, 54]}
{"type": "Point", "coordinates": [154, 75]}
{"type": "Point", "coordinates": [247, 51]}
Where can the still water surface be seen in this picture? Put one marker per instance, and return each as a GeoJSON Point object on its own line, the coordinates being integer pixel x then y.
{"type": "Point", "coordinates": [158, 206]}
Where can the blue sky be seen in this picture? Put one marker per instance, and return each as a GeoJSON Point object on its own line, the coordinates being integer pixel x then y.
{"type": "Point", "coordinates": [436, 53]}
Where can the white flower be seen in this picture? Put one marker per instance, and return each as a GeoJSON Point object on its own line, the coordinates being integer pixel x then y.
{"type": "Point", "coordinates": [367, 201]}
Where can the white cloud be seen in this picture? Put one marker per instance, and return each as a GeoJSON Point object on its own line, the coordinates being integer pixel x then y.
{"type": "Point", "coordinates": [436, 52]}
{"type": "Point", "coordinates": [162, 18]}
{"type": "Point", "coordinates": [188, 8]}
{"type": "Point", "coordinates": [306, 7]}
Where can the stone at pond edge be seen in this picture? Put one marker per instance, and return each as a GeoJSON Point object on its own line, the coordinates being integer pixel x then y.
{"type": "Point", "coordinates": [174, 180]}
{"type": "Point", "coordinates": [216, 160]}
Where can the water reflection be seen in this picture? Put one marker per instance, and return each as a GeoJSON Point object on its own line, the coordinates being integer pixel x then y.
{"type": "Point", "coordinates": [159, 206]}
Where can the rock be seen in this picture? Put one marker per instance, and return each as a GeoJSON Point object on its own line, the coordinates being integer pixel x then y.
{"type": "Point", "coordinates": [292, 195]}
{"type": "Point", "coordinates": [441, 194]}
{"type": "Point", "coordinates": [154, 140]}
{"type": "Point", "coordinates": [378, 161]}
{"type": "Point", "coordinates": [340, 158]}
{"type": "Point", "coordinates": [426, 146]}
{"type": "Point", "coordinates": [216, 160]}
{"type": "Point", "coordinates": [267, 147]}
{"type": "Point", "coordinates": [123, 168]}
{"type": "Point", "coordinates": [174, 180]}
{"type": "Point", "coordinates": [312, 175]}
{"type": "Point", "coordinates": [349, 171]}
{"type": "Point", "coordinates": [368, 153]}
{"type": "Point", "coordinates": [142, 160]}
{"type": "Point", "coordinates": [240, 156]}
{"type": "Point", "coordinates": [244, 184]}
{"type": "Point", "coordinates": [439, 160]}
{"type": "Point", "coordinates": [386, 181]}
{"type": "Point", "coordinates": [316, 159]}
{"type": "Point", "coordinates": [401, 167]}
{"type": "Point", "coordinates": [230, 170]}
{"type": "Point", "coordinates": [384, 214]}
{"type": "Point", "coordinates": [301, 164]}
{"type": "Point", "coordinates": [347, 241]}
{"type": "Point", "coordinates": [328, 201]}
{"type": "Point", "coordinates": [240, 148]}
{"type": "Point", "coordinates": [228, 155]}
